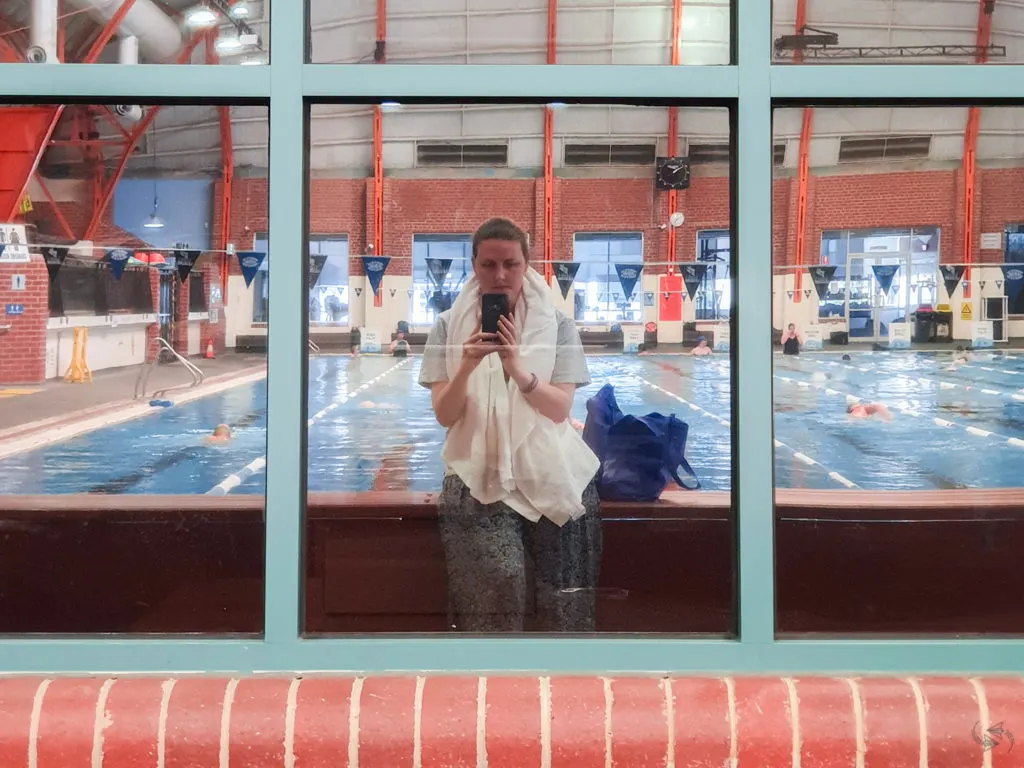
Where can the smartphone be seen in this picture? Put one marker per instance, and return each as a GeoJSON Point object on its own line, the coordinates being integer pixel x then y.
{"type": "Point", "coordinates": [492, 306]}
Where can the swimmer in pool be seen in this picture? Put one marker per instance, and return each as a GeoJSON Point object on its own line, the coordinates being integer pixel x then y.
{"type": "Point", "coordinates": [366, 404]}
{"type": "Point", "coordinates": [868, 410]}
{"type": "Point", "coordinates": [702, 347]}
{"type": "Point", "coordinates": [221, 434]}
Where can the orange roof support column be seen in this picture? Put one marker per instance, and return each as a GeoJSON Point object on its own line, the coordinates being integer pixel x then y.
{"type": "Point", "coordinates": [549, 141]}
{"type": "Point", "coordinates": [803, 170]}
{"type": "Point", "coordinates": [378, 150]}
{"type": "Point", "coordinates": [673, 131]}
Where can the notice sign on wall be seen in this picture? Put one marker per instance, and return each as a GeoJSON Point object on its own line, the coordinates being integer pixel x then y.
{"type": "Point", "coordinates": [991, 241]}
{"type": "Point", "coordinates": [899, 335]}
{"type": "Point", "coordinates": [813, 337]}
{"type": "Point", "coordinates": [13, 244]}
{"type": "Point", "coordinates": [981, 334]}
{"type": "Point", "coordinates": [369, 340]}
{"type": "Point", "coordinates": [965, 310]}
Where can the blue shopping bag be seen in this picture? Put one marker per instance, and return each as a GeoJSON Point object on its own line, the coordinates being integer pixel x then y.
{"type": "Point", "coordinates": [639, 455]}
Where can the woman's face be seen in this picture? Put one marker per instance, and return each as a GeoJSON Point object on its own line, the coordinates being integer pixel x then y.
{"type": "Point", "coordinates": [500, 268]}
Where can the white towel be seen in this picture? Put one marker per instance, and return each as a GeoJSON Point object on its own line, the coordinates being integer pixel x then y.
{"type": "Point", "coordinates": [501, 448]}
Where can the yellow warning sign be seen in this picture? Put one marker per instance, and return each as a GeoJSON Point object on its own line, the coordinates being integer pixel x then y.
{"type": "Point", "coordinates": [965, 310]}
{"type": "Point", "coordinates": [25, 206]}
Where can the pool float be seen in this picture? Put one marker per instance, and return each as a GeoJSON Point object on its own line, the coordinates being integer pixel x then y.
{"type": "Point", "coordinates": [161, 403]}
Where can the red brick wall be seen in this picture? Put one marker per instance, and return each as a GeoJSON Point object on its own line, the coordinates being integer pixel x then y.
{"type": "Point", "coordinates": [23, 345]}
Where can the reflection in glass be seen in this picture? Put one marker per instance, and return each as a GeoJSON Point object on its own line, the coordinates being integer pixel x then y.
{"type": "Point", "coordinates": [403, 534]}
{"type": "Point", "coordinates": [898, 416]}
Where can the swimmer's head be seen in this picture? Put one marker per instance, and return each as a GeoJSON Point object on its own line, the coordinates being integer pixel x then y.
{"type": "Point", "coordinates": [850, 407]}
{"type": "Point", "coordinates": [959, 347]}
{"type": "Point", "coordinates": [792, 326]}
{"type": "Point", "coordinates": [702, 340]}
{"type": "Point", "coordinates": [222, 430]}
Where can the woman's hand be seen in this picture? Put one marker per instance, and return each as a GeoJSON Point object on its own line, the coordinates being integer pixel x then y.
{"type": "Point", "coordinates": [508, 347]}
{"type": "Point", "coordinates": [477, 347]}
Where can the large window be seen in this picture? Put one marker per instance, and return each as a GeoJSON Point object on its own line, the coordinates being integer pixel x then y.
{"type": "Point", "coordinates": [714, 295]}
{"type": "Point", "coordinates": [440, 265]}
{"type": "Point", "coordinates": [1014, 254]}
{"type": "Point", "coordinates": [328, 296]}
{"type": "Point", "coordinates": [261, 282]}
{"type": "Point", "coordinates": [599, 297]}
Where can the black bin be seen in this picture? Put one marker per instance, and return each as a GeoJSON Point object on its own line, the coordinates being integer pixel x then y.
{"type": "Point", "coordinates": [924, 327]}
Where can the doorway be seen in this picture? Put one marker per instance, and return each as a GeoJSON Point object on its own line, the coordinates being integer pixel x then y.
{"type": "Point", "coordinates": [167, 310]}
{"type": "Point", "coordinates": [870, 311]}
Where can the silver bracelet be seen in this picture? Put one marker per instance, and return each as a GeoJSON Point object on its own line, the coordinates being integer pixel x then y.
{"type": "Point", "coordinates": [534, 381]}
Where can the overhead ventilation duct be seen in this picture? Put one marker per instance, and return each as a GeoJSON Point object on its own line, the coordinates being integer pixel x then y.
{"type": "Point", "coordinates": [159, 36]}
{"type": "Point", "coordinates": [43, 33]}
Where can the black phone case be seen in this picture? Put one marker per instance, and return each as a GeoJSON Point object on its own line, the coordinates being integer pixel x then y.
{"type": "Point", "coordinates": [492, 306]}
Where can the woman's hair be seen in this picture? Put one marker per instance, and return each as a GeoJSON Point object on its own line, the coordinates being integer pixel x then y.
{"type": "Point", "coordinates": [502, 229]}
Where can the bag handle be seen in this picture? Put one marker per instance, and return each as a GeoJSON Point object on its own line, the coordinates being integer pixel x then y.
{"type": "Point", "coordinates": [689, 470]}
{"type": "Point", "coordinates": [680, 449]}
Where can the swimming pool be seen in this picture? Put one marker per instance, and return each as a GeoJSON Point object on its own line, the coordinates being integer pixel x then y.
{"type": "Point", "coordinates": [371, 428]}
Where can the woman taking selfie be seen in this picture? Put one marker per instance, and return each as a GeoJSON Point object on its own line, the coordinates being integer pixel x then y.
{"type": "Point", "coordinates": [502, 366]}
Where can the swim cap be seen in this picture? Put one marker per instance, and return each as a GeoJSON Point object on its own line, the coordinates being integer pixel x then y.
{"type": "Point", "coordinates": [702, 338]}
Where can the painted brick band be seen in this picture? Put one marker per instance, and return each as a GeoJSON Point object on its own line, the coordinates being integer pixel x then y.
{"type": "Point", "coordinates": [486, 722]}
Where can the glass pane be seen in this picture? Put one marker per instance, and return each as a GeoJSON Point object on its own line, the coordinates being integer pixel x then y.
{"type": "Point", "coordinates": [896, 32]}
{"type": "Point", "coordinates": [899, 420]}
{"type": "Point", "coordinates": [639, 299]}
{"type": "Point", "coordinates": [492, 32]}
{"type": "Point", "coordinates": [151, 32]}
{"type": "Point", "coordinates": [134, 402]}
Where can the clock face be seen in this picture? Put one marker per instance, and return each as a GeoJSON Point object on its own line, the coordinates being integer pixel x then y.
{"type": "Point", "coordinates": [674, 173]}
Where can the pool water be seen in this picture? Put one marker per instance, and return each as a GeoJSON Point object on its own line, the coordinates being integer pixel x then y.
{"type": "Point", "coordinates": [960, 428]}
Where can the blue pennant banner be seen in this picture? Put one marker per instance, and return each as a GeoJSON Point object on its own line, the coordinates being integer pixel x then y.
{"type": "Point", "coordinates": [884, 273]}
{"type": "Point", "coordinates": [118, 258]}
{"type": "Point", "coordinates": [375, 267]}
{"type": "Point", "coordinates": [565, 274]}
{"type": "Point", "coordinates": [1013, 274]}
{"type": "Point", "coordinates": [628, 275]}
{"type": "Point", "coordinates": [185, 260]}
{"type": "Point", "coordinates": [951, 276]}
{"type": "Point", "coordinates": [54, 258]}
{"type": "Point", "coordinates": [316, 266]}
{"type": "Point", "coordinates": [250, 262]}
{"type": "Point", "coordinates": [437, 270]}
{"type": "Point", "coordinates": [2, 246]}
{"type": "Point", "coordinates": [693, 276]}
{"type": "Point", "coordinates": [821, 277]}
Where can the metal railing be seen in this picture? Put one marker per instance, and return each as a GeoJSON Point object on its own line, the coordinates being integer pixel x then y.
{"type": "Point", "coordinates": [313, 347]}
{"type": "Point", "coordinates": [147, 369]}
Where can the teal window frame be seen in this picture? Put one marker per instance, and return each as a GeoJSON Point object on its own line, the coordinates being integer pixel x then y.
{"type": "Point", "coordinates": [751, 87]}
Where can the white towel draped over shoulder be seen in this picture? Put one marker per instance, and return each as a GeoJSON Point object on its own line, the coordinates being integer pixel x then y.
{"type": "Point", "coordinates": [502, 448]}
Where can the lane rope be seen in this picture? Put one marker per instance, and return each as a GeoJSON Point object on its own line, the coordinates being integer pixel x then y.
{"type": "Point", "coordinates": [232, 481]}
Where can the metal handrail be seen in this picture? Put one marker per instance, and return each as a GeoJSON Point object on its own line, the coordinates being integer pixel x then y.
{"type": "Point", "coordinates": [313, 347]}
{"type": "Point", "coordinates": [147, 369]}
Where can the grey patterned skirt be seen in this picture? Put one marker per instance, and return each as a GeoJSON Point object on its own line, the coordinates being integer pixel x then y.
{"type": "Point", "coordinates": [507, 574]}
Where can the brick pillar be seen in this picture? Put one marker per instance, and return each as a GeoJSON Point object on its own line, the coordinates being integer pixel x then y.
{"type": "Point", "coordinates": [23, 344]}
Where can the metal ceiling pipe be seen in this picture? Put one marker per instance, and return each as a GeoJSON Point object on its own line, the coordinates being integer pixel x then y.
{"type": "Point", "coordinates": [43, 33]}
{"type": "Point", "coordinates": [128, 50]}
{"type": "Point", "coordinates": [159, 36]}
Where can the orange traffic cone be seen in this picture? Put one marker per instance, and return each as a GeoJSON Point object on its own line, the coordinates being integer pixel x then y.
{"type": "Point", "coordinates": [209, 349]}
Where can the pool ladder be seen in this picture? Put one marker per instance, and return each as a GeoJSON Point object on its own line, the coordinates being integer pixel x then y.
{"type": "Point", "coordinates": [147, 369]}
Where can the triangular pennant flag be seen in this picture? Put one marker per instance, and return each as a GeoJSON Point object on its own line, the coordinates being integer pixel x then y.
{"type": "Point", "coordinates": [118, 257]}
{"type": "Point", "coordinates": [981, 284]}
{"type": "Point", "coordinates": [437, 270]}
{"type": "Point", "coordinates": [185, 260]}
{"type": "Point", "coordinates": [393, 292]}
{"type": "Point", "coordinates": [1013, 274]}
{"type": "Point", "coordinates": [54, 258]}
{"type": "Point", "coordinates": [316, 266]}
{"type": "Point", "coordinates": [821, 277]}
{"type": "Point", "coordinates": [884, 273]}
{"type": "Point", "coordinates": [2, 246]}
{"type": "Point", "coordinates": [250, 262]}
{"type": "Point", "coordinates": [359, 291]}
{"type": "Point", "coordinates": [375, 267]}
{"type": "Point", "coordinates": [693, 275]}
{"type": "Point", "coordinates": [628, 275]}
{"type": "Point", "coordinates": [789, 294]}
{"type": "Point", "coordinates": [999, 284]}
{"type": "Point", "coordinates": [409, 291]}
{"type": "Point", "coordinates": [807, 293]}
{"type": "Point", "coordinates": [565, 274]}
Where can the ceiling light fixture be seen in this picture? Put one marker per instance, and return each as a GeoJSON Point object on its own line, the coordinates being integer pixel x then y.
{"type": "Point", "coordinates": [201, 17]}
{"type": "Point", "coordinates": [240, 10]}
{"type": "Point", "coordinates": [229, 44]}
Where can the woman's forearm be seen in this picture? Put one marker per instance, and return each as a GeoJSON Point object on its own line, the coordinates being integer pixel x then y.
{"type": "Point", "coordinates": [551, 400]}
{"type": "Point", "coordinates": [449, 399]}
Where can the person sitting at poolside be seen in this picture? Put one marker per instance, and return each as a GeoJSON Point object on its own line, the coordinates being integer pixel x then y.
{"type": "Point", "coordinates": [791, 341]}
{"type": "Point", "coordinates": [355, 339]}
{"type": "Point", "coordinates": [221, 434]}
{"type": "Point", "coordinates": [702, 347]}
{"type": "Point", "coordinates": [868, 410]}
{"type": "Point", "coordinates": [399, 345]}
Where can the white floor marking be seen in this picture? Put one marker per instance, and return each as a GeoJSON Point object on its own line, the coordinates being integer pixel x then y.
{"type": "Point", "coordinates": [289, 722]}
{"type": "Point", "coordinates": [100, 722]}
{"type": "Point", "coordinates": [608, 701]}
{"type": "Point", "coordinates": [922, 721]}
{"type": "Point", "coordinates": [225, 723]}
{"type": "Point", "coordinates": [858, 721]}
{"type": "Point", "coordinates": [984, 718]}
{"type": "Point", "coordinates": [545, 722]}
{"type": "Point", "coordinates": [353, 722]}
{"type": "Point", "coordinates": [794, 720]}
{"type": "Point", "coordinates": [417, 724]}
{"type": "Point", "coordinates": [161, 733]}
{"type": "Point", "coordinates": [670, 720]}
{"type": "Point", "coordinates": [33, 724]}
{"type": "Point", "coordinates": [481, 723]}
{"type": "Point", "coordinates": [734, 747]}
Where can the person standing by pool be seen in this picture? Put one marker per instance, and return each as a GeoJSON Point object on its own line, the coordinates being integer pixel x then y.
{"type": "Point", "coordinates": [519, 481]}
{"type": "Point", "coordinates": [791, 341]}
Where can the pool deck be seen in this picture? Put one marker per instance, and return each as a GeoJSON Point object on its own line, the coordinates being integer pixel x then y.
{"type": "Point", "coordinates": [56, 398]}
